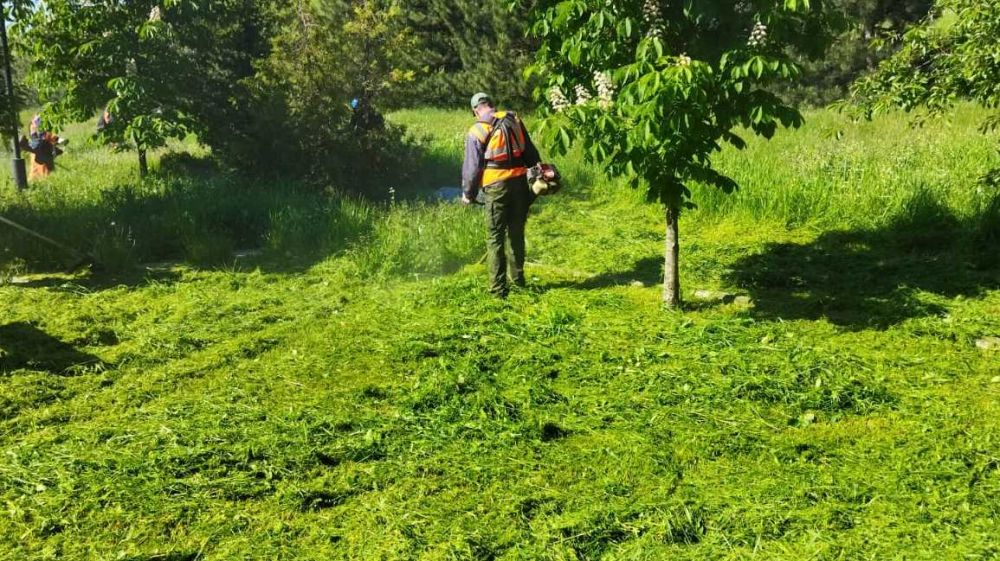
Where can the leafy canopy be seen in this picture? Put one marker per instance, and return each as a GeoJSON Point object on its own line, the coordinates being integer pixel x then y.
{"type": "Point", "coordinates": [868, 31]}
{"type": "Point", "coordinates": [651, 89]}
{"type": "Point", "coordinates": [951, 55]}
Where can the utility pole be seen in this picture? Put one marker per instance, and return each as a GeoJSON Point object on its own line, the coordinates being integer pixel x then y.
{"type": "Point", "coordinates": [20, 174]}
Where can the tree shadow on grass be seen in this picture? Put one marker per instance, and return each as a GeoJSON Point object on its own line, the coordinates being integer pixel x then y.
{"type": "Point", "coordinates": [23, 345]}
{"type": "Point", "coordinates": [648, 271]}
{"type": "Point", "coordinates": [92, 281]}
{"type": "Point", "coordinates": [859, 279]}
{"type": "Point", "coordinates": [873, 279]}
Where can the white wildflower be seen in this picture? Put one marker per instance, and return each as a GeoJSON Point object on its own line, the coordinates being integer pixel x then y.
{"type": "Point", "coordinates": [582, 95]}
{"type": "Point", "coordinates": [758, 36]}
{"type": "Point", "coordinates": [605, 89]}
{"type": "Point", "coordinates": [558, 100]}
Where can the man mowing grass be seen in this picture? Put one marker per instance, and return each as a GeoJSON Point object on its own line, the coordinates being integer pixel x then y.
{"type": "Point", "coordinates": [498, 153]}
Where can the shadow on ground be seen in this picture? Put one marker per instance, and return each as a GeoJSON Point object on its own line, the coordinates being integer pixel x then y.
{"type": "Point", "coordinates": [874, 279]}
{"type": "Point", "coordinates": [859, 279]}
{"type": "Point", "coordinates": [648, 271]}
{"type": "Point", "coordinates": [24, 346]}
{"type": "Point", "coordinates": [91, 281]}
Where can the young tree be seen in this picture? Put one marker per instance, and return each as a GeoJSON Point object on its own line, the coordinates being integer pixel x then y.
{"type": "Point", "coordinates": [952, 55]}
{"type": "Point", "coordinates": [651, 88]}
{"type": "Point", "coordinates": [151, 63]}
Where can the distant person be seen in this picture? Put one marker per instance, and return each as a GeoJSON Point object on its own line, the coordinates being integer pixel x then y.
{"type": "Point", "coordinates": [43, 147]}
{"type": "Point", "coordinates": [104, 120]}
{"type": "Point", "coordinates": [498, 153]}
{"type": "Point", "coordinates": [364, 117]}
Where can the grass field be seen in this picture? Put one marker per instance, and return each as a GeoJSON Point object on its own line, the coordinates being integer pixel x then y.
{"type": "Point", "coordinates": [831, 391]}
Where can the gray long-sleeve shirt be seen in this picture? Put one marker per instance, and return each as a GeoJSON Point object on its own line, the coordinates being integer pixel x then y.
{"type": "Point", "coordinates": [475, 160]}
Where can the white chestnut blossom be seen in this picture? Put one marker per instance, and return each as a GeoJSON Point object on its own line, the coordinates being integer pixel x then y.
{"type": "Point", "coordinates": [758, 36]}
{"type": "Point", "coordinates": [605, 89]}
{"type": "Point", "coordinates": [582, 95]}
{"type": "Point", "coordinates": [684, 60]}
{"type": "Point", "coordinates": [557, 99]}
{"type": "Point", "coordinates": [155, 14]}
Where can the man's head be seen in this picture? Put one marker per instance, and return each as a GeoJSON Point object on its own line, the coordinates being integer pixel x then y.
{"type": "Point", "coordinates": [35, 128]}
{"type": "Point", "coordinates": [481, 104]}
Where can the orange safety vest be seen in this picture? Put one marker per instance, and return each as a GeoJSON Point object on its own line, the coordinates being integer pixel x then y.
{"type": "Point", "coordinates": [505, 141]}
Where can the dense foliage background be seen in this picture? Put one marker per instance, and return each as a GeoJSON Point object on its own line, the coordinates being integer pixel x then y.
{"type": "Point", "coordinates": [267, 84]}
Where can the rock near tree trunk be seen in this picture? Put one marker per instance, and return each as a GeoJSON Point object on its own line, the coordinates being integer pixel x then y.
{"type": "Point", "coordinates": [988, 343]}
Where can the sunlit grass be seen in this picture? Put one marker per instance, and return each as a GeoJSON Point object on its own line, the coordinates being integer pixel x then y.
{"type": "Point", "coordinates": [352, 393]}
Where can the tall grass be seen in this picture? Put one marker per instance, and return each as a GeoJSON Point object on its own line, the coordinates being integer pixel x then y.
{"type": "Point", "coordinates": [420, 239]}
{"type": "Point", "coordinates": [831, 173]}
{"type": "Point", "coordinates": [835, 172]}
{"type": "Point", "coordinates": [96, 203]}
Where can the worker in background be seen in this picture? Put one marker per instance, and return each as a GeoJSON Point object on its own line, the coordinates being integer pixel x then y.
{"type": "Point", "coordinates": [498, 153]}
{"type": "Point", "coordinates": [364, 117]}
{"type": "Point", "coordinates": [104, 120]}
{"type": "Point", "coordinates": [43, 147]}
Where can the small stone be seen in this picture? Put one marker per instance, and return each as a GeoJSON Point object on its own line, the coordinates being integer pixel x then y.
{"type": "Point", "coordinates": [988, 343]}
{"type": "Point", "coordinates": [638, 284]}
{"type": "Point", "coordinates": [713, 296]}
{"type": "Point", "coordinates": [743, 301]}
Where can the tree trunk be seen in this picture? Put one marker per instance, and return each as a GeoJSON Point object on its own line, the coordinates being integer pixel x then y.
{"type": "Point", "coordinates": [143, 165]}
{"type": "Point", "coordinates": [671, 276]}
{"type": "Point", "coordinates": [868, 34]}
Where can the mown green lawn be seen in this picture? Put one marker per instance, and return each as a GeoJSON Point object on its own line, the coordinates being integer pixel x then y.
{"type": "Point", "coordinates": [833, 393]}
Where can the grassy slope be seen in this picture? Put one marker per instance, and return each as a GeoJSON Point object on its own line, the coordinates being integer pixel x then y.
{"type": "Point", "coordinates": [355, 411]}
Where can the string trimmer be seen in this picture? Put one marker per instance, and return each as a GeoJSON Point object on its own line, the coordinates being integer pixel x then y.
{"type": "Point", "coordinates": [82, 259]}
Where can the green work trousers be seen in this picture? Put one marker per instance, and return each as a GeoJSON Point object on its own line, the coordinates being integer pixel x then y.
{"type": "Point", "coordinates": [507, 204]}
